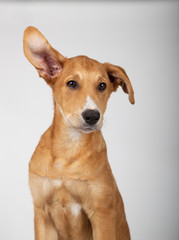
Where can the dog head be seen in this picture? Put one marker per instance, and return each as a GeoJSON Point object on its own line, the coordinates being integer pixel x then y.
{"type": "Point", "coordinates": [81, 86]}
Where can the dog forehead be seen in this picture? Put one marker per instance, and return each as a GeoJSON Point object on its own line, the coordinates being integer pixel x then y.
{"type": "Point", "coordinates": [85, 65]}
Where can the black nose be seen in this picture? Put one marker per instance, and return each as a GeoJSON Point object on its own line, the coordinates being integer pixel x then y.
{"type": "Point", "coordinates": [91, 116]}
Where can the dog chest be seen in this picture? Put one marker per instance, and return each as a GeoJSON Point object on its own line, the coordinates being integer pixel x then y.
{"type": "Point", "coordinates": [46, 191]}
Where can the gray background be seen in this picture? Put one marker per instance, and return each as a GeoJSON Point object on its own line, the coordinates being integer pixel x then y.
{"type": "Point", "coordinates": [142, 140]}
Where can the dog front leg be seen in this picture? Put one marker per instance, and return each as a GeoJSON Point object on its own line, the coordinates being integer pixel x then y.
{"type": "Point", "coordinates": [39, 224]}
{"type": "Point", "coordinates": [44, 227]}
{"type": "Point", "coordinates": [103, 224]}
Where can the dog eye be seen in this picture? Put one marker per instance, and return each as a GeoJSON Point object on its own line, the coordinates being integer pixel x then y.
{"type": "Point", "coordinates": [102, 86]}
{"type": "Point", "coordinates": [72, 84]}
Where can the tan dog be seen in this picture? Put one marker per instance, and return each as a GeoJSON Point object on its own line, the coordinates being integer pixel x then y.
{"type": "Point", "coordinates": [74, 192]}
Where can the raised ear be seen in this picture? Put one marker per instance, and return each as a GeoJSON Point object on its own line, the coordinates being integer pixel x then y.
{"type": "Point", "coordinates": [46, 60]}
{"type": "Point", "coordinates": [118, 76]}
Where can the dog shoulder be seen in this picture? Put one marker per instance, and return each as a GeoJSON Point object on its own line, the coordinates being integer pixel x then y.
{"type": "Point", "coordinates": [41, 158]}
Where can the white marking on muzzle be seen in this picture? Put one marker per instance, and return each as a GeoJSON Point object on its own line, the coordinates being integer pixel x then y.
{"type": "Point", "coordinates": [90, 104]}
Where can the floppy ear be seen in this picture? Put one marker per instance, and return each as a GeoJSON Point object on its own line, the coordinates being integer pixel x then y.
{"type": "Point", "coordinates": [46, 60]}
{"type": "Point", "coordinates": [118, 76]}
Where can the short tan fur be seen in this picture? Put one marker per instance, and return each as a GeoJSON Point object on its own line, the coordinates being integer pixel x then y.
{"type": "Point", "coordinates": [74, 192]}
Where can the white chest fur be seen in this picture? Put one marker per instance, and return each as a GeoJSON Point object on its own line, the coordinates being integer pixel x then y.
{"type": "Point", "coordinates": [49, 185]}
{"type": "Point", "coordinates": [75, 209]}
{"type": "Point", "coordinates": [43, 188]}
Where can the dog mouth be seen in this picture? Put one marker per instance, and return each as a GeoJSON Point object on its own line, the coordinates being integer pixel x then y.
{"type": "Point", "coordinates": [88, 129]}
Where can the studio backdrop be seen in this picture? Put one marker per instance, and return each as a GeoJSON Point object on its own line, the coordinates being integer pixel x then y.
{"type": "Point", "coordinates": [142, 139]}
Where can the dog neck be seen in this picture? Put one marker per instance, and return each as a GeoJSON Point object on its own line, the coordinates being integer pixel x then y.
{"type": "Point", "coordinates": [67, 151]}
{"type": "Point", "coordinates": [69, 141]}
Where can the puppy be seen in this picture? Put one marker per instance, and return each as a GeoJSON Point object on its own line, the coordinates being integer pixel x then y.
{"type": "Point", "coordinates": [74, 192]}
